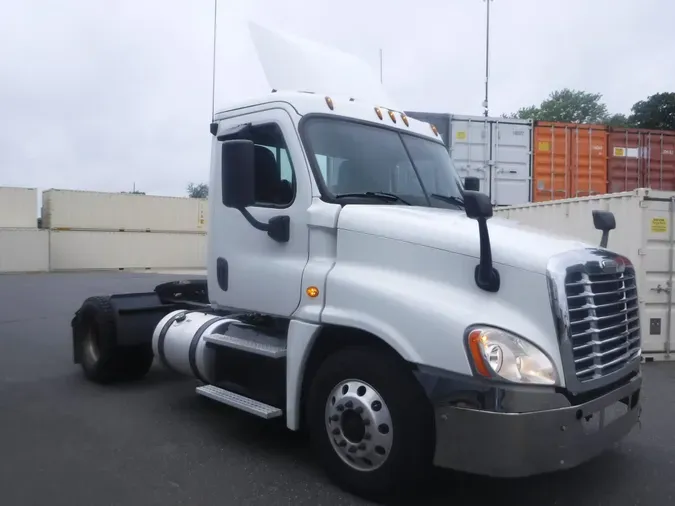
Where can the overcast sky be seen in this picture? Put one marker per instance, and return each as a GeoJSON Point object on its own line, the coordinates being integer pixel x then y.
{"type": "Point", "coordinates": [102, 94]}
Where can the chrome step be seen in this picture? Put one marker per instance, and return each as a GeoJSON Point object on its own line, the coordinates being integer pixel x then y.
{"type": "Point", "coordinates": [239, 401]}
{"type": "Point", "coordinates": [259, 344]}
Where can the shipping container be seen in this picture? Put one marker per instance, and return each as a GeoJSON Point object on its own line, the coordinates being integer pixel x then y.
{"type": "Point", "coordinates": [85, 210]}
{"type": "Point", "coordinates": [18, 207]}
{"type": "Point", "coordinates": [86, 250]}
{"type": "Point", "coordinates": [497, 151]}
{"type": "Point", "coordinates": [24, 250]}
{"type": "Point", "coordinates": [640, 159]}
{"type": "Point", "coordinates": [570, 160]}
{"type": "Point", "coordinates": [644, 233]}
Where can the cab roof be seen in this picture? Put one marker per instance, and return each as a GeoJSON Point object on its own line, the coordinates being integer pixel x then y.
{"type": "Point", "coordinates": [305, 103]}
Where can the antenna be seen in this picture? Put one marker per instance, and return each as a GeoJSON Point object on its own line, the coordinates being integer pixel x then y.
{"type": "Point", "coordinates": [213, 78]}
{"type": "Point", "coordinates": [487, 56]}
{"type": "Point", "coordinates": [380, 65]}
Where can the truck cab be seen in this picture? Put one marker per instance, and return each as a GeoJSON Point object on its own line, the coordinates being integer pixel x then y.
{"type": "Point", "coordinates": [357, 289]}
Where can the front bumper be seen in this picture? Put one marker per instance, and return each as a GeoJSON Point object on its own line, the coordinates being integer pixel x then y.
{"type": "Point", "coordinates": [513, 445]}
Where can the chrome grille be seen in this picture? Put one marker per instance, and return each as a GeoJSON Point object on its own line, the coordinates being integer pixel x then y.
{"type": "Point", "coordinates": [604, 324]}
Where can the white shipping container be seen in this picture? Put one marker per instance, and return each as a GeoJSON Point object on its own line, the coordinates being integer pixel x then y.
{"type": "Point", "coordinates": [18, 207]}
{"type": "Point", "coordinates": [24, 250]}
{"type": "Point", "coordinates": [644, 233]}
{"type": "Point", "coordinates": [84, 210]}
{"type": "Point", "coordinates": [497, 151]}
{"type": "Point", "coordinates": [85, 250]}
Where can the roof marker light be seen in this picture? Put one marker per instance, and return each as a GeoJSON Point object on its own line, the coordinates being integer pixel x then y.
{"type": "Point", "coordinates": [392, 116]}
{"type": "Point", "coordinates": [378, 111]}
{"type": "Point", "coordinates": [434, 129]}
{"type": "Point", "coordinates": [405, 119]}
{"type": "Point", "coordinates": [329, 101]}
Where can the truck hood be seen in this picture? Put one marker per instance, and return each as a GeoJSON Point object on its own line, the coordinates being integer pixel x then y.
{"type": "Point", "coordinates": [450, 230]}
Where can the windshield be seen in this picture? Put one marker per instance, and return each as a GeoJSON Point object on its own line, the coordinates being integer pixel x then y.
{"type": "Point", "coordinates": [354, 158]}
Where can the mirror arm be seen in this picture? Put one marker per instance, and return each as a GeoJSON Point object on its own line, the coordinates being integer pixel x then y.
{"type": "Point", "coordinates": [486, 276]}
{"type": "Point", "coordinates": [258, 225]}
{"type": "Point", "coordinates": [278, 227]}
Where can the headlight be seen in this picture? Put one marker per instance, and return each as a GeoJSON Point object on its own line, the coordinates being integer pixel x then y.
{"type": "Point", "coordinates": [496, 352]}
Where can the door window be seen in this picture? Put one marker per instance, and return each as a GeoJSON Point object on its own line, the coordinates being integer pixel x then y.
{"type": "Point", "coordinates": [274, 173]}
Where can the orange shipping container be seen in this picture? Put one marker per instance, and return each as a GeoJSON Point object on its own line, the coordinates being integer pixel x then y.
{"type": "Point", "coordinates": [570, 160]}
{"type": "Point", "coordinates": [640, 159]}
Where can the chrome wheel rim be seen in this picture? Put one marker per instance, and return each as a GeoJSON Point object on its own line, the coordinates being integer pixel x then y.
{"type": "Point", "coordinates": [359, 425]}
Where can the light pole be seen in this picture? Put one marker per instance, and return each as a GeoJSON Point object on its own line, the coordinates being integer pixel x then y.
{"type": "Point", "coordinates": [487, 55]}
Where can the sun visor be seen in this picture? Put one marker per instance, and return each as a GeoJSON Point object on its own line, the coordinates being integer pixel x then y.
{"type": "Point", "coordinates": [292, 63]}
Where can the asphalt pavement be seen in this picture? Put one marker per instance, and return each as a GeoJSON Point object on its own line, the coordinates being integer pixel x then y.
{"type": "Point", "coordinates": [64, 441]}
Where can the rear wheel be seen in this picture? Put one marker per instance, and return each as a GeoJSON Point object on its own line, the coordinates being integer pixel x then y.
{"type": "Point", "coordinates": [370, 423]}
{"type": "Point", "coordinates": [102, 360]}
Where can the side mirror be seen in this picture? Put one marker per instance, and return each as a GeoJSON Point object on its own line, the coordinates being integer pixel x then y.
{"type": "Point", "coordinates": [472, 184]}
{"type": "Point", "coordinates": [238, 174]}
{"type": "Point", "coordinates": [478, 207]}
{"type": "Point", "coordinates": [604, 221]}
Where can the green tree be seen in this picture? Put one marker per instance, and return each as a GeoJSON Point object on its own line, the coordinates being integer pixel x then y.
{"type": "Point", "coordinates": [198, 191]}
{"type": "Point", "coordinates": [619, 120]}
{"type": "Point", "coordinates": [569, 106]}
{"type": "Point", "coordinates": [657, 112]}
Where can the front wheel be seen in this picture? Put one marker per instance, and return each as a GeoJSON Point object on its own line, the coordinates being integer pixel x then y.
{"type": "Point", "coordinates": [370, 423]}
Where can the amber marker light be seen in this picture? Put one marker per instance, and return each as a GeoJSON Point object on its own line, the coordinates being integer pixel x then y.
{"type": "Point", "coordinates": [405, 119]}
{"type": "Point", "coordinates": [392, 116]}
{"type": "Point", "coordinates": [329, 101]}
{"type": "Point", "coordinates": [477, 342]}
{"type": "Point", "coordinates": [312, 292]}
{"type": "Point", "coordinates": [378, 111]}
{"type": "Point", "coordinates": [434, 129]}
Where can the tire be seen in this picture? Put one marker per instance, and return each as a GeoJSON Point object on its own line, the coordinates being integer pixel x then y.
{"type": "Point", "coordinates": [403, 428]}
{"type": "Point", "coordinates": [101, 359]}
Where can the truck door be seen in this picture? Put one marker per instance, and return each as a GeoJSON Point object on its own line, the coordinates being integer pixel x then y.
{"type": "Point", "coordinates": [249, 270]}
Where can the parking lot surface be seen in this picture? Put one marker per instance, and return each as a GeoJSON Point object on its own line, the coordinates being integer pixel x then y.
{"type": "Point", "coordinates": [64, 441]}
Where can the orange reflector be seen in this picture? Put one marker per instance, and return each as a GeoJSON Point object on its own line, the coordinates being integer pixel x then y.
{"type": "Point", "coordinates": [392, 116]}
{"type": "Point", "coordinates": [378, 112]}
{"type": "Point", "coordinates": [477, 341]}
{"type": "Point", "coordinates": [312, 291]}
{"type": "Point", "coordinates": [329, 101]}
{"type": "Point", "coordinates": [405, 119]}
{"type": "Point", "coordinates": [434, 129]}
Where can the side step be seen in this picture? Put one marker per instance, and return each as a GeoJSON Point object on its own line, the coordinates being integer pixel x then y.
{"type": "Point", "coordinates": [254, 342]}
{"type": "Point", "coordinates": [239, 401]}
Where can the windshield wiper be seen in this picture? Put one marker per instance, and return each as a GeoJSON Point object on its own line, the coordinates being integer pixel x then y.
{"type": "Point", "coordinates": [448, 199]}
{"type": "Point", "coordinates": [391, 197]}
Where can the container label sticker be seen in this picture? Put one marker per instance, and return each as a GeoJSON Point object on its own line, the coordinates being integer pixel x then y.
{"type": "Point", "coordinates": [659, 225]}
{"type": "Point", "coordinates": [544, 146]}
{"type": "Point", "coordinates": [670, 152]}
{"type": "Point", "coordinates": [540, 185]}
{"type": "Point", "coordinates": [460, 136]}
{"type": "Point", "coordinates": [627, 152]}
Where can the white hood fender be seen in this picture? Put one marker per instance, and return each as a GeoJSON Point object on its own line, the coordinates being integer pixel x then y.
{"type": "Point", "coordinates": [406, 275]}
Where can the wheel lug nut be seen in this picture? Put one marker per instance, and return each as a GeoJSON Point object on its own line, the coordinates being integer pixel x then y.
{"type": "Point", "coordinates": [359, 410]}
{"type": "Point", "coordinates": [349, 404]}
{"type": "Point", "coordinates": [340, 407]}
{"type": "Point", "coordinates": [366, 422]}
{"type": "Point", "coordinates": [334, 418]}
{"type": "Point", "coordinates": [336, 431]}
{"type": "Point", "coordinates": [362, 446]}
{"type": "Point", "coordinates": [342, 444]}
{"type": "Point", "coordinates": [352, 449]}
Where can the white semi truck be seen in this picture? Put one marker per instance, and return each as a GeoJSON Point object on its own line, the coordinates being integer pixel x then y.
{"type": "Point", "coordinates": [356, 291]}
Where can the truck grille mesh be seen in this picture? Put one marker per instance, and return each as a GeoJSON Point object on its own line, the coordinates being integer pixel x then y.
{"type": "Point", "coordinates": [604, 322]}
